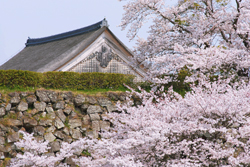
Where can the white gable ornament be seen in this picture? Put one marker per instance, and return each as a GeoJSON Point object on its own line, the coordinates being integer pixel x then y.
{"type": "Point", "coordinates": [104, 57]}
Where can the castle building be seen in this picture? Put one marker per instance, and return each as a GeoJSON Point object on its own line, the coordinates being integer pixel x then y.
{"type": "Point", "coordinates": [90, 49]}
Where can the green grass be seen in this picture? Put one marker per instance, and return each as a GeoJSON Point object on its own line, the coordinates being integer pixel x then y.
{"type": "Point", "coordinates": [7, 90]}
{"type": "Point", "coordinates": [97, 91]}
{"type": "Point", "coordinates": [66, 123]}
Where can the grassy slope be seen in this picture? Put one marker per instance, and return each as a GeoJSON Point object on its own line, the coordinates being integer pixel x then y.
{"type": "Point", "coordinates": [6, 90]}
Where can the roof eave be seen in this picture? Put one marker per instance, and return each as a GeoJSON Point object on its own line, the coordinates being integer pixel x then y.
{"type": "Point", "coordinates": [37, 41]}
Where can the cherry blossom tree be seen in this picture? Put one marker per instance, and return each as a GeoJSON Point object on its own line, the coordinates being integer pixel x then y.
{"type": "Point", "coordinates": [34, 153]}
{"type": "Point", "coordinates": [209, 126]}
{"type": "Point", "coordinates": [201, 34]}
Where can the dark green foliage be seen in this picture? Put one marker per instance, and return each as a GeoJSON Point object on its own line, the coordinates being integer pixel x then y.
{"type": "Point", "coordinates": [63, 80]}
{"type": "Point", "coordinates": [84, 81]}
{"type": "Point", "coordinates": [144, 85]}
{"type": "Point", "coordinates": [59, 80]}
{"type": "Point", "coordinates": [85, 153]}
{"type": "Point", "coordinates": [18, 78]}
{"type": "Point", "coordinates": [177, 83]}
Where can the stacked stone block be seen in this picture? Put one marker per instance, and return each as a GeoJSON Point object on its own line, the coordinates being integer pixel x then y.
{"type": "Point", "coordinates": [52, 116]}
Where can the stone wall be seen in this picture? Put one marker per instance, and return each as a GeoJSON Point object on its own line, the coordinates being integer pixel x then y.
{"type": "Point", "coordinates": [53, 116]}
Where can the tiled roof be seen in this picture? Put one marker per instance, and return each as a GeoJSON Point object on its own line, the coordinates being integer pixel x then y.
{"type": "Point", "coordinates": [49, 53]}
{"type": "Point", "coordinates": [37, 41]}
{"type": "Point", "coordinates": [53, 52]}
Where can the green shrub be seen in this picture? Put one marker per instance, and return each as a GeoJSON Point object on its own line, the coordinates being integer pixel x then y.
{"type": "Point", "coordinates": [63, 80]}
{"type": "Point", "coordinates": [59, 80]}
{"type": "Point", "coordinates": [18, 78]}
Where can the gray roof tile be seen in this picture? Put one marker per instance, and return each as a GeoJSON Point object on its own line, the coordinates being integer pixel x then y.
{"type": "Point", "coordinates": [36, 41]}
{"type": "Point", "coordinates": [50, 53]}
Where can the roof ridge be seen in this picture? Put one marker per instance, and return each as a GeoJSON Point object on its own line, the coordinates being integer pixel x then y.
{"type": "Point", "coordinates": [37, 41]}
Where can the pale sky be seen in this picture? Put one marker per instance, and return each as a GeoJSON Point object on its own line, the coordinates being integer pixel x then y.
{"type": "Point", "coordinates": [20, 19]}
